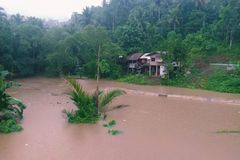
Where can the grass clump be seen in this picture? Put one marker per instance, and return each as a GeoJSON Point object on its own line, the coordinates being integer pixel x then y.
{"type": "Point", "coordinates": [86, 104]}
{"type": "Point", "coordinates": [228, 132]}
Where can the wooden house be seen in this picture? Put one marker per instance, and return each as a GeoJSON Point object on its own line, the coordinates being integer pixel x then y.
{"type": "Point", "coordinates": [151, 63]}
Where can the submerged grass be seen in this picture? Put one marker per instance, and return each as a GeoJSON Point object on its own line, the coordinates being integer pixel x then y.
{"type": "Point", "coordinates": [228, 132]}
{"type": "Point", "coordinates": [110, 125]}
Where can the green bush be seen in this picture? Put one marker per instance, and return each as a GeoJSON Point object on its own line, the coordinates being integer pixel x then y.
{"type": "Point", "coordinates": [10, 125]}
{"type": "Point", "coordinates": [223, 82]}
{"type": "Point", "coordinates": [180, 79]}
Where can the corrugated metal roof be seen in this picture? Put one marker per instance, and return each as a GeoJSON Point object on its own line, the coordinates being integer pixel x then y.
{"type": "Point", "coordinates": [151, 55]}
{"type": "Point", "coordinates": [145, 56]}
{"type": "Point", "coordinates": [134, 56]}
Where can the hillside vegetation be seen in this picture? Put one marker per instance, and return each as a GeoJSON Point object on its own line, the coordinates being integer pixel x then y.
{"type": "Point", "coordinates": [193, 32]}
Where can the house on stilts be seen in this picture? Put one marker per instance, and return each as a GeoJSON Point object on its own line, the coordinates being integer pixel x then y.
{"type": "Point", "coordinates": [151, 63]}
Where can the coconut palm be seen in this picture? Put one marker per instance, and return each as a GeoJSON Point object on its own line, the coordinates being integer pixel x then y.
{"type": "Point", "coordinates": [87, 111]}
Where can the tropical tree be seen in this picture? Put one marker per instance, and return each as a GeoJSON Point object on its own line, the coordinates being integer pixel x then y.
{"type": "Point", "coordinates": [229, 22]}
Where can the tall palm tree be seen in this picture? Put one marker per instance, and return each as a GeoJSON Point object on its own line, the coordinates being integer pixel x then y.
{"type": "Point", "coordinates": [174, 17]}
{"type": "Point", "coordinates": [86, 16]}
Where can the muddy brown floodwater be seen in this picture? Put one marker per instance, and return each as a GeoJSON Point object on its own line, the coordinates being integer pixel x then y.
{"type": "Point", "coordinates": [180, 127]}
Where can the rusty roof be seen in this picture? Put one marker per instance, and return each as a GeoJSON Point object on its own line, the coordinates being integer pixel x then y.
{"type": "Point", "coordinates": [134, 56]}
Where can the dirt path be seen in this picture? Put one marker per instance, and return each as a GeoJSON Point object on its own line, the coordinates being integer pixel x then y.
{"type": "Point", "coordinates": [153, 127]}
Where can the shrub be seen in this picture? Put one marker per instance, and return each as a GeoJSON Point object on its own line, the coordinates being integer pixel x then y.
{"type": "Point", "coordinates": [11, 109]}
{"type": "Point", "coordinates": [10, 125]}
{"type": "Point", "coordinates": [223, 82]}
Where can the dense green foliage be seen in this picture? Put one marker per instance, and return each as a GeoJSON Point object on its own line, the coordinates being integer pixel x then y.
{"type": "Point", "coordinates": [223, 82]}
{"type": "Point", "coordinates": [11, 109]}
{"type": "Point", "coordinates": [193, 32]}
{"type": "Point", "coordinates": [87, 111]}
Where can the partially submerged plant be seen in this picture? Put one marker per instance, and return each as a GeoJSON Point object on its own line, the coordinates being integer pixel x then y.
{"type": "Point", "coordinates": [110, 125]}
{"type": "Point", "coordinates": [87, 111]}
{"type": "Point", "coordinates": [228, 132]}
{"type": "Point", "coordinates": [11, 109]}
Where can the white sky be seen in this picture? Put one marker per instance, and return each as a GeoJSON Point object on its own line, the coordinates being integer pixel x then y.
{"type": "Point", "coordinates": [54, 9]}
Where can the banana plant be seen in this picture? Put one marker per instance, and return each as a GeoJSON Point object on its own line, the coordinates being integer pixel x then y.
{"type": "Point", "coordinates": [10, 107]}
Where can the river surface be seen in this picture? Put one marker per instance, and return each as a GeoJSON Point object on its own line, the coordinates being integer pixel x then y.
{"type": "Point", "coordinates": [180, 126]}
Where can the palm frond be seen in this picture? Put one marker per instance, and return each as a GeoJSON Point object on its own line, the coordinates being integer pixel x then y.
{"type": "Point", "coordinates": [76, 86]}
{"type": "Point", "coordinates": [106, 98]}
{"type": "Point", "coordinates": [78, 95]}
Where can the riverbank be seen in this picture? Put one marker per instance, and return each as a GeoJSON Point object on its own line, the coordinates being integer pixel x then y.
{"type": "Point", "coordinates": [220, 81]}
{"type": "Point", "coordinates": [154, 127]}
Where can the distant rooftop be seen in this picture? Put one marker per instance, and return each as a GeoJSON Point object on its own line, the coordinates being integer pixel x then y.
{"type": "Point", "coordinates": [134, 56]}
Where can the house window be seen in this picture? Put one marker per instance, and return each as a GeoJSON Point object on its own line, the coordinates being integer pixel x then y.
{"type": "Point", "coordinates": [153, 59]}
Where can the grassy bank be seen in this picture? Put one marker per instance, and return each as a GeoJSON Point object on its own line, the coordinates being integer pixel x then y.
{"type": "Point", "coordinates": [220, 81]}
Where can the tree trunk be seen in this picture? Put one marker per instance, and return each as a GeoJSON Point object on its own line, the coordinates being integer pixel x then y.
{"type": "Point", "coordinates": [159, 14]}
{"type": "Point", "coordinates": [227, 34]}
{"type": "Point", "coordinates": [113, 24]}
{"type": "Point", "coordinates": [204, 21]}
{"type": "Point", "coordinates": [98, 76]}
{"type": "Point", "coordinates": [231, 39]}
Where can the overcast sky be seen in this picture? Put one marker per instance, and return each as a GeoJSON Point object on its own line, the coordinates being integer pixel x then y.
{"type": "Point", "coordinates": [54, 9]}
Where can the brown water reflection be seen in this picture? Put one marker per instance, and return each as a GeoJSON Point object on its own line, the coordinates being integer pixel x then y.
{"type": "Point", "coordinates": [153, 127]}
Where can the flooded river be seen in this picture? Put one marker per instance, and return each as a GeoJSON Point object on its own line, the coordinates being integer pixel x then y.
{"type": "Point", "coordinates": [181, 126]}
